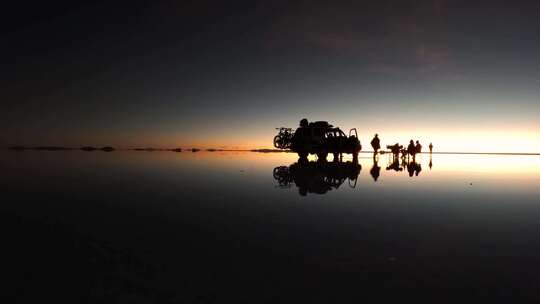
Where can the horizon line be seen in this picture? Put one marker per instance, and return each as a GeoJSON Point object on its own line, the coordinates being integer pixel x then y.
{"type": "Point", "coordinates": [267, 150]}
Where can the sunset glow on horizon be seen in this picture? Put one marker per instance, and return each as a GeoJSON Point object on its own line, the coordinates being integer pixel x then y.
{"type": "Point", "coordinates": [502, 140]}
{"type": "Point", "coordinates": [471, 142]}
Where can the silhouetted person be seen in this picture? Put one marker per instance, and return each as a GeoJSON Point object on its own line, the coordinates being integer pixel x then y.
{"type": "Point", "coordinates": [376, 144]}
{"type": "Point", "coordinates": [375, 170]}
{"type": "Point", "coordinates": [304, 123]}
{"type": "Point", "coordinates": [395, 149]}
{"type": "Point", "coordinates": [418, 147]}
{"type": "Point", "coordinates": [411, 149]}
{"type": "Point", "coordinates": [430, 147]}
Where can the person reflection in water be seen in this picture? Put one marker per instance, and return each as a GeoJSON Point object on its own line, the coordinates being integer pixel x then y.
{"type": "Point", "coordinates": [394, 165]}
{"type": "Point", "coordinates": [375, 170]}
{"type": "Point", "coordinates": [317, 177]}
{"type": "Point", "coordinates": [400, 164]}
{"type": "Point", "coordinates": [413, 168]}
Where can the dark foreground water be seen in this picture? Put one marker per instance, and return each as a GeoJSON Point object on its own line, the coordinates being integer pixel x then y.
{"type": "Point", "coordinates": [163, 227]}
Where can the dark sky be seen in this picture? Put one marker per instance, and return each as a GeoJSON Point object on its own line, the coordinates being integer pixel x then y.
{"type": "Point", "coordinates": [225, 73]}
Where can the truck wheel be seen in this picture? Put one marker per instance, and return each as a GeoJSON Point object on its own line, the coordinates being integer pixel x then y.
{"type": "Point", "coordinates": [278, 142]}
{"type": "Point", "coordinates": [322, 156]}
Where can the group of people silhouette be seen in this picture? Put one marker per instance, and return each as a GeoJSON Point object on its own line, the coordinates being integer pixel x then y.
{"type": "Point", "coordinates": [412, 167]}
{"type": "Point", "coordinates": [397, 149]}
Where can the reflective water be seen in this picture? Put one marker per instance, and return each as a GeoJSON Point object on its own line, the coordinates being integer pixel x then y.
{"type": "Point", "coordinates": [262, 227]}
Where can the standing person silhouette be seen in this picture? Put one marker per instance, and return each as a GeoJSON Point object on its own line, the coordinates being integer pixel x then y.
{"type": "Point", "coordinates": [411, 149]}
{"type": "Point", "coordinates": [376, 144]}
{"type": "Point", "coordinates": [430, 148]}
{"type": "Point", "coordinates": [418, 147]}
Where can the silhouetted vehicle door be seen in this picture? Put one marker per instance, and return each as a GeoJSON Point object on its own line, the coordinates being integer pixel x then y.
{"type": "Point", "coordinates": [342, 140]}
{"type": "Point", "coordinates": [332, 140]}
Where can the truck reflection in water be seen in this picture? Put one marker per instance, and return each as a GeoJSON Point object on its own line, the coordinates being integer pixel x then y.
{"type": "Point", "coordinates": [317, 177]}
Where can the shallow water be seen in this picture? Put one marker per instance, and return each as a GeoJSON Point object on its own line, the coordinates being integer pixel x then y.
{"type": "Point", "coordinates": [260, 227]}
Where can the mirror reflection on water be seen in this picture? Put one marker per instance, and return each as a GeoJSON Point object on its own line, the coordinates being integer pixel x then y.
{"type": "Point", "coordinates": [257, 226]}
{"type": "Point", "coordinates": [320, 176]}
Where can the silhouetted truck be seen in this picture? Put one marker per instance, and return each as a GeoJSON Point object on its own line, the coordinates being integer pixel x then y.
{"type": "Point", "coordinates": [319, 138]}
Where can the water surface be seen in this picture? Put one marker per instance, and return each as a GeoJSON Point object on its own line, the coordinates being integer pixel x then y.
{"type": "Point", "coordinates": [261, 227]}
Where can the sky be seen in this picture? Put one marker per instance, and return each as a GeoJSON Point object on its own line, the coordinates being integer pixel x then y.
{"type": "Point", "coordinates": [464, 75]}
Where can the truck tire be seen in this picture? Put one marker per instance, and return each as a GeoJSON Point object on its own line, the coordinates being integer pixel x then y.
{"type": "Point", "coordinates": [322, 155]}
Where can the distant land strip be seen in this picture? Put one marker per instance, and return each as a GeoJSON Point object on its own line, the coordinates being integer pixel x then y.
{"type": "Point", "coordinates": [150, 149]}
